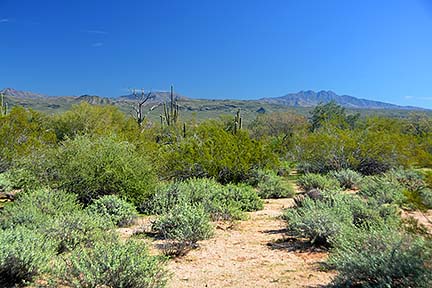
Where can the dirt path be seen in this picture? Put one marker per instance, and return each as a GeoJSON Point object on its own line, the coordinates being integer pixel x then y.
{"type": "Point", "coordinates": [252, 254]}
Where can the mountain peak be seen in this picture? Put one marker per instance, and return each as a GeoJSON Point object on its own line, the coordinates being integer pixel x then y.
{"type": "Point", "coordinates": [309, 98]}
{"type": "Point", "coordinates": [21, 94]}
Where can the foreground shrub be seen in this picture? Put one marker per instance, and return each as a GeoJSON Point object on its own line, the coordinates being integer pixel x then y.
{"type": "Point", "coordinates": [382, 190]}
{"type": "Point", "coordinates": [24, 255]}
{"type": "Point", "coordinates": [426, 197]}
{"type": "Point", "coordinates": [221, 202]}
{"type": "Point", "coordinates": [318, 221]}
{"type": "Point", "coordinates": [32, 209]}
{"type": "Point", "coordinates": [381, 257]}
{"type": "Point", "coordinates": [310, 181]}
{"type": "Point", "coordinates": [270, 185]}
{"type": "Point", "coordinates": [113, 264]}
{"type": "Point", "coordinates": [116, 210]}
{"type": "Point", "coordinates": [78, 228]}
{"type": "Point", "coordinates": [94, 167]}
{"type": "Point", "coordinates": [348, 179]}
{"type": "Point", "coordinates": [4, 182]}
{"type": "Point", "coordinates": [409, 179]}
{"type": "Point", "coordinates": [186, 225]}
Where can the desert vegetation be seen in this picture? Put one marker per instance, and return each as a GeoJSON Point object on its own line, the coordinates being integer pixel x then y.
{"type": "Point", "coordinates": [71, 181]}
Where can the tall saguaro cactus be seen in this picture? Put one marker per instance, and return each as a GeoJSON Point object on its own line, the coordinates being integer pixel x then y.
{"type": "Point", "coordinates": [237, 122]}
{"type": "Point", "coordinates": [3, 105]}
{"type": "Point", "coordinates": [171, 110]}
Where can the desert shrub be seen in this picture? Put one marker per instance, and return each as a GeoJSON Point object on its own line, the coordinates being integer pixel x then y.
{"type": "Point", "coordinates": [78, 228]}
{"type": "Point", "coordinates": [270, 185]}
{"type": "Point", "coordinates": [116, 210]}
{"type": "Point", "coordinates": [426, 197]}
{"type": "Point", "coordinates": [185, 225]}
{"type": "Point", "coordinates": [215, 153]}
{"type": "Point", "coordinates": [382, 190]}
{"type": "Point", "coordinates": [88, 119]}
{"type": "Point", "coordinates": [246, 197]}
{"type": "Point", "coordinates": [321, 220]}
{"type": "Point", "coordinates": [316, 181]}
{"type": "Point", "coordinates": [410, 179]}
{"type": "Point", "coordinates": [22, 131]}
{"type": "Point", "coordinates": [33, 208]}
{"type": "Point", "coordinates": [4, 182]}
{"type": "Point", "coordinates": [318, 221]}
{"type": "Point", "coordinates": [221, 202]}
{"type": "Point", "coordinates": [112, 264]}
{"type": "Point", "coordinates": [348, 179]}
{"type": "Point", "coordinates": [94, 167]}
{"type": "Point", "coordinates": [24, 255]}
{"type": "Point", "coordinates": [381, 257]}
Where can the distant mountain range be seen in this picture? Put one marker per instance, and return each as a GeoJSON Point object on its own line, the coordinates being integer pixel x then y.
{"type": "Point", "coordinates": [303, 99]}
{"type": "Point", "coordinates": [311, 98]}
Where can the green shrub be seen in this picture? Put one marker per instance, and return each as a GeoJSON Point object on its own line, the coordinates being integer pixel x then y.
{"type": "Point", "coordinates": [348, 179]}
{"type": "Point", "coordinates": [381, 257]}
{"type": "Point", "coordinates": [24, 255]}
{"type": "Point", "coordinates": [410, 179]}
{"type": "Point", "coordinates": [113, 264]}
{"type": "Point", "coordinates": [4, 182]}
{"type": "Point", "coordinates": [78, 228]}
{"type": "Point", "coordinates": [322, 220]}
{"type": "Point", "coordinates": [318, 221]}
{"type": "Point", "coordinates": [310, 181]}
{"type": "Point", "coordinates": [116, 210]}
{"type": "Point", "coordinates": [270, 185]}
{"type": "Point", "coordinates": [426, 197]}
{"type": "Point", "coordinates": [94, 167]}
{"type": "Point", "coordinates": [382, 190]}
{"type": "Point", "coordinates": [185, 224]}
{"type": "Point", "coordinates": [33, 208]}
{"type": "Point", "coordinates": [213, 152]}
{"type": "Point", "coordinates": [221, 202]}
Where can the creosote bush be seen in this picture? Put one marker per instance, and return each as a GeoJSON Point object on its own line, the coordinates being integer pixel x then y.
{"type": "Point", "coordinates": [24, 255]}
{"type": "Point", "coordinates": [94, 167]}
{"type": "Point", "coordinates": [310, 181]}
{"type": "Point", "coordinates": [214, 152]}
{"type": "Point", "coordinates": [112, 264]}
{"type": "Point", "coordinates": [114, 209]}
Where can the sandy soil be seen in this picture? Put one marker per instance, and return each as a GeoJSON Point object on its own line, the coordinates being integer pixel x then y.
{"type": "Point", "coordinates": [253, 253]}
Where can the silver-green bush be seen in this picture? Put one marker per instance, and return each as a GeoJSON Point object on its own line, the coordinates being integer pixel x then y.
{"type": "Point", "coordinates": [348, 179]}
{"type": "Point", "coordinates": [310, 181]}
{"type": "Point", "coordinates": [24, 255]}
{"type": "Point", "coordinates": [112, 264]}
{"type": "Point", "coordinates": [114, 209]}
{"type": "Point", "coordinates": [381, 257]}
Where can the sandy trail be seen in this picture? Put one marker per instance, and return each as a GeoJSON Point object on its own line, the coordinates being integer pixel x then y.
{"type": "Point", "coordinates": [251, 254]}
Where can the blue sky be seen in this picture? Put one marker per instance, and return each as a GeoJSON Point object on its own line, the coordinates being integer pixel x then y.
{"type": "Point", "coordinates": [240, 49]}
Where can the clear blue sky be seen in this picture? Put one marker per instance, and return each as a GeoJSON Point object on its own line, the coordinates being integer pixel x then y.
{"type": "Point", "coordinates": [246, 49]}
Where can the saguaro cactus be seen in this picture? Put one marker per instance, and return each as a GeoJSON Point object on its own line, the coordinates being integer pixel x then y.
{"type": "Point", "coordinates": [171, 110]}
{"type": "Point", "coordinates": [3, 105]}
{"type": "Point", "coordinates": [237, 122]}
